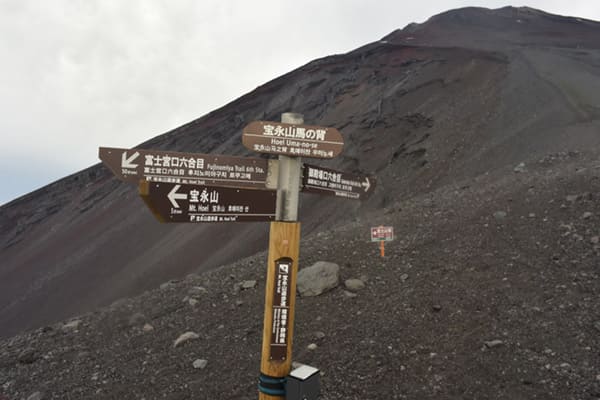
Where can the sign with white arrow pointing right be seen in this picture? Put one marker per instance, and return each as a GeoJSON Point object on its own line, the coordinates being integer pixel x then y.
{"type": "Point", "coordinates": [335, 183]}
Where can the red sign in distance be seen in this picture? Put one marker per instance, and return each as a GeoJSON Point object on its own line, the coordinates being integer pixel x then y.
{"type": "Point", "coordinates": [382, 233]}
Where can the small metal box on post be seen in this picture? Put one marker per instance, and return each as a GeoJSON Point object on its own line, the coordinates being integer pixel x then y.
{"type": "Point", "coordinates": [303, 384]}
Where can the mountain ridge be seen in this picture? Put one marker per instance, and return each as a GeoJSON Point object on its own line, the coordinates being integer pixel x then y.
{"type": "Point", "coordinates": [417, 113]}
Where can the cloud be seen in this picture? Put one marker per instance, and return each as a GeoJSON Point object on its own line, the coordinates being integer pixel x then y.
{"type": "Point", "coordinates": [79, 74]}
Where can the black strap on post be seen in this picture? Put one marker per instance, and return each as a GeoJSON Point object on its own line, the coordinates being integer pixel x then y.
{"type": "Point", "coordinates": [273, 386]}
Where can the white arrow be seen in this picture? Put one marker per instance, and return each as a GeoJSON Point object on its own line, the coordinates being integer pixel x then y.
{"type": "Point", "coordinates": [366, 184]}
{"type": "Point", "coordinates": [173, 195]}
{"type": "Point", "coordinates": [127, 162]}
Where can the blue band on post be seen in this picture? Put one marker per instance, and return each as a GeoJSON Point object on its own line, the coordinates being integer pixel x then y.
{"type": "Point", "coordinates": [273, 386]}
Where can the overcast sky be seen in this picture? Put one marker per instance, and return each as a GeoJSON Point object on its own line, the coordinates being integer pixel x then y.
{"type": "Point", "coordinates": [79, 74]}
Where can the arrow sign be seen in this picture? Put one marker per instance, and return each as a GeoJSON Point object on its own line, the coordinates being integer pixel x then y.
{"type": "Point", "coordinates": [292, 140]}
{"type": "Point", "coordinates": [172, 202]}
{"type": "Point", "coordinates": [127, 162]}
{"type": "Point", "coordinates": [173, 195]}
{"type": "Point", "coordinates": [335, 183]}
{"type": "Point", "coordinates": [185, 168]}
{"type": "Point", "coordinates": [366, 184]}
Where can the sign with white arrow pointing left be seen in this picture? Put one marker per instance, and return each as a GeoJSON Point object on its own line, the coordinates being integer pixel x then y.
{"type": "Point", "coordinates": [171, 202]}
{"type": "Point", "coordinates": [335, 183]}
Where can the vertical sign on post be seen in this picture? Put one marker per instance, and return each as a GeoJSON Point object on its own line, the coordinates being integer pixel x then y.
{"type": "Point", "coordinates": [281, 308]}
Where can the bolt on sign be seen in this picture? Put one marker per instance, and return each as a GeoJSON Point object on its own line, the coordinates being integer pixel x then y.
{"type": "Point", "coordinates": [382, 233]}
{"type": "Point", "coordinates": [172, 202]}
{"type": "Point", "coordinates": [335, 183]}
{"type": "Point", "coordinates": [185, 168]}
{"type": "Point", "coordinates": [292, 140]}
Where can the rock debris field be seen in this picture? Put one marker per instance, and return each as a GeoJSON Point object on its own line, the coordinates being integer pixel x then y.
{"type": "Point", "coordinates": [490, 291]}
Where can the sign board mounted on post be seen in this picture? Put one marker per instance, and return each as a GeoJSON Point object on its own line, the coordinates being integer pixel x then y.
{"type": "Point", "coordinates": [335, 183]}
{"type": "Point", "coordinates": [382, 233]}
{"type": "Point", "coordinates": [172, 202]}
{"type": "Point", "coordinates": [292, 140]}
{"type": "Point", "coordinates": [185, 168]}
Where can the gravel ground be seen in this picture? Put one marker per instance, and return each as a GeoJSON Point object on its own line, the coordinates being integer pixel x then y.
{"type": "Point", "coordinates": [490, 291]}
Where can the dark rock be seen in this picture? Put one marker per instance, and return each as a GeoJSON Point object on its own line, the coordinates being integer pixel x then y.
{"type": "Point", "coordinates": [136, 319]}
{"type": "Point", "coordinates": [28, 356]}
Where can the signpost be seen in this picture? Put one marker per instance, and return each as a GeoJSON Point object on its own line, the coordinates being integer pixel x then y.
{"type": "Point", "coordinates": [382, 234]}
{"type": "Point", "coordinates": [293, 140]}
{"type": "Point", "coordinates": [185, 168]}
{"type": "Point", "coordinates": [335, 183]}
{"type": "Point", "coordinates": [204, 188]}
{"type": "Point", "coordinates": [171, 202]}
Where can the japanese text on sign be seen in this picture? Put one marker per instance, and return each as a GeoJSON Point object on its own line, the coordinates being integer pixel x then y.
{"type": "Point", "coordinates": [292, 140]}
{"type": "Point", "coordinates": [295, 132]}
{"type": "Point", "coordinates": [191, 203]}
{"type": "Point", "coordinates": [322, 180]}
{"type": "Point", "coordinates": [382, 233]}
{"type": "Point", "coordinates": [296, 151]}
{"type": "Point", "coordinates": [185, 168]}
{"type": "Point", "coordinates": [281, 309]}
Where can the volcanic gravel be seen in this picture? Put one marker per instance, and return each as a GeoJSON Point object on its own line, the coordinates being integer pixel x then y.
{"type": "Point", "coordinates": [491, 290]}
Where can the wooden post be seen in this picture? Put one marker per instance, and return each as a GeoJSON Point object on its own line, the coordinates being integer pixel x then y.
{"type": "Point", "coordinates": [382, 248]}
{"type": "Point", "coordinates": [284, 244]}
{"type": "Point", "coordinates": [282, 269]}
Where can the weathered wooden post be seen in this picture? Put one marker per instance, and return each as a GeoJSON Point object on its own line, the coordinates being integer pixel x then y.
{"type": "Point", "coordinates": [282, 269]}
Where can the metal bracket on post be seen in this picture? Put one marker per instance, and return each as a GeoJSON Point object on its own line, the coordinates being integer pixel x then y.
{"type": "Point", "coordinates": [288, 186]}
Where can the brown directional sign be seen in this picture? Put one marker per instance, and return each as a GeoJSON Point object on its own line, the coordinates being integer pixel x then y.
{"type": "Point", "coordinates": [335, 183]}
{"type": "Point", "coordinates": [185, 168]}
{"type": "Point", "coordinates": [171, 202]}
{"type": "Point", "coordinates": [292, 140]}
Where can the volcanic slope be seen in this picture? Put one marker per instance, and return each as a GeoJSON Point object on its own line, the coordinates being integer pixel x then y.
{"type": "Point", "coordinates": [490, 291]}
{"type": "Point", "coordinates": [419, 113]}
